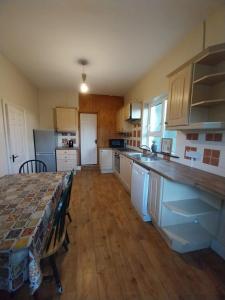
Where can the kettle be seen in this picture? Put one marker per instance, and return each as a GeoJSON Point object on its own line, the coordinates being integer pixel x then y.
{"type": "Point", "coordinates": [70, 143]}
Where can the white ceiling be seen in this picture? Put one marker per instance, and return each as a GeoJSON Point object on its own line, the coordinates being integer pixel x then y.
{"type": "Point", "coordinates": [120, 38]}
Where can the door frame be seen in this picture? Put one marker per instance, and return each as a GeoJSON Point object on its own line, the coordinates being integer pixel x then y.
{"type": "Point", "coordinates": [90, 113]}
{"type": "Point", "coordinates": [6, 130]}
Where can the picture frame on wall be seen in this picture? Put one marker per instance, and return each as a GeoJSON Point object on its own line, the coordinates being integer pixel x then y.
{"type": "Point", "coordinates": [166, 145]}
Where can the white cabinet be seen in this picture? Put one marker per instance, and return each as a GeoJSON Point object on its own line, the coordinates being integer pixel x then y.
{"type": "Point", "coordinates": [106, 160]}
{"type": "Point", "coordinates": [155, 197]}
{"type": "Point", "coordinates": [66, 159]}
{"type": "Point", "coordinates": [125, 171]}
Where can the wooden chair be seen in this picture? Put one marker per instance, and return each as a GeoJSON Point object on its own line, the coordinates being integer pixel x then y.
{"type": "Point", "coordinates": [69, 186]}
{"type": "Point", "coordinates": [33, 166]}
{"type": "Point", "coordinates": [58, 237]}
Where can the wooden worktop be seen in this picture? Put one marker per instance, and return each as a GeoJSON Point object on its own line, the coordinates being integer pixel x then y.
{"type": "Point", "coordinates": [180, 173]}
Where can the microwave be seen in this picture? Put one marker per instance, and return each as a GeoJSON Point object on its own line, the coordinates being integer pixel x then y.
{"type": "Point", "coordinates": [117, 143]}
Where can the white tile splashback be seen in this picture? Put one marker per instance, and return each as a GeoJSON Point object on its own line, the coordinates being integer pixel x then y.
{"type": "Point", "coordinates": [201, 144]}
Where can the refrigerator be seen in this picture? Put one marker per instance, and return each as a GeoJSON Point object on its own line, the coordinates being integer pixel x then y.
{"type": "Point", "coordinates": [44, 145]}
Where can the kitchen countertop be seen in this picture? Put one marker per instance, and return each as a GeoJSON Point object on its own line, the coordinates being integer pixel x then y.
{"type": "Point", "coordinates": [183, 174]}
{"type": "Point", "coordinates": [66, 148]}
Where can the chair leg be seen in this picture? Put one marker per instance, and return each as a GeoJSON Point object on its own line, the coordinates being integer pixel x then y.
{"type": "Point", "coordinates": [69, 216]}
{"type": "Point", "coordinates": [56, 274]}
{"type": "Point", "coordinates": [67, 238]}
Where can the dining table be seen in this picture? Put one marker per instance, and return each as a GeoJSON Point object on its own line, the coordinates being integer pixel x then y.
{"type": "Point", "coordinates": [27, 206]}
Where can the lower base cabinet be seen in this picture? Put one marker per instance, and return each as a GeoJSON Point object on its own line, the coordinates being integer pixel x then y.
{"type": "Point", "coordinates": [106, 160]}
{"type": "Point", "coordinates": [154, 201]}
{"type": "Point", "coordinates": [125, 171]}
{"type": "Point", "coordinates": [66, 159]}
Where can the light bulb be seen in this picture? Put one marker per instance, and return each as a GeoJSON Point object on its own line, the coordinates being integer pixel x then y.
{"type": "Point", "coordinates": [84, 87]}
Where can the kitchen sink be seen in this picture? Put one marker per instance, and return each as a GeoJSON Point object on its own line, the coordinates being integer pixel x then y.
{"type": "Point", "coordinates": [142, 157]}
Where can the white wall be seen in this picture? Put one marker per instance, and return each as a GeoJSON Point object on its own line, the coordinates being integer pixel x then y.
{"type": "Point", "coordinates": [16, 89]}
{"type": "Point", "coordinates": [49, 99]}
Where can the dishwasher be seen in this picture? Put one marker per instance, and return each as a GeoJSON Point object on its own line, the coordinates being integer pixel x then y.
{"type": "Point", "coordinates": [139, 191]}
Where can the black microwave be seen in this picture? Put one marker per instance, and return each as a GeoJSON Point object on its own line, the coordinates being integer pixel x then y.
{"type": "Point", "coordinates": [117, 143]}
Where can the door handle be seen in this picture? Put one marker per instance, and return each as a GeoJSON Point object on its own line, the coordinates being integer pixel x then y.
{"type": "Point", "coordinates": [14, 157]}
{"type": "Point", "coordinates": [95, 141]}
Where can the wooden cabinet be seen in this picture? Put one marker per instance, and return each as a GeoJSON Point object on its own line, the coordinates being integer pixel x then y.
{"type": "Point", "coordinates": [66, 159]}
{"type": "Point", "coordinates": [179, 97]}
{"type": "Point", "coordinates": [155, 197]}
{"type": "Point", "coordinates": [125, 171]}
{"type": "Point", "coordinates": [121, 124]}
{"type": "Point", "coordinates": [66, 119]}
{"type": "Point", "coordinates": [127, 111]}
{"type": "Point", "coordinates": [119, 120]}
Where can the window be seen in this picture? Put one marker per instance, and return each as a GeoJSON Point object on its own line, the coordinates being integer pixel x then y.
{"type": "Point", "coordinates": [153, 128]}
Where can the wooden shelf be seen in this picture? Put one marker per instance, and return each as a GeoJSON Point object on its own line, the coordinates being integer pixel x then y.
{"type": "Point", "coordinates": [187, 237]}
{"type": "Point", "coordinates": [212, 58]}
{"type": "Point", "coordinates": [207, 103]}
{"type": "Point", "coordinates": [189, 207]}
{"type": "Point", "coordinates": [211, 79]}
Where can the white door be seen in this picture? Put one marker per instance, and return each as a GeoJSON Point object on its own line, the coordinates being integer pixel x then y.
{"type": "Point", "coordinates": [16, 137]}
{"type": "Point", "coordinates": [88, 136]}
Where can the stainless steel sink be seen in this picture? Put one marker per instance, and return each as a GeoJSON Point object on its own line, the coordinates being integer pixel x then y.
{"type": "Point", "coordinates": [142, 157]}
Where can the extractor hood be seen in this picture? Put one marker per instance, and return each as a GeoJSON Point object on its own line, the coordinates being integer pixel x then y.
{"type": "Point", "coordinates": [134, 111]}
{"type": "Point", "coordinates": [200, 126]}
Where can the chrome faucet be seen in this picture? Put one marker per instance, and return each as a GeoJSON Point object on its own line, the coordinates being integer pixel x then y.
{"type": "Point", "coordinates": [146, 149]}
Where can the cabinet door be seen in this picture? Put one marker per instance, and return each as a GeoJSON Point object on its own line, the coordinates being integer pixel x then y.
{"type": "Point", "coordinates": [105, 157]}
{"type": "Point", "coordinates": [155, 197]}
{"type": "Point", "coordinates": [179, 97]}
{"type": "Point", "coordinates": [127, 111]}
{"type": "Point", "coordinates": [66, 119]}
{"type": "Point", "coordinates": [125, 171]}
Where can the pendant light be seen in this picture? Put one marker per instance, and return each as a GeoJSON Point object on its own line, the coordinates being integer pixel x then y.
{"type": "Point", "coordinates": [83, 86]}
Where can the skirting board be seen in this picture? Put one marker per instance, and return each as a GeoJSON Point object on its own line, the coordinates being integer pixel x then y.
{"type": "Point", "coordinates": [218, 248]}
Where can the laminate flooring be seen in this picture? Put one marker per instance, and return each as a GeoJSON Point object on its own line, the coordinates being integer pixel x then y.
{"type": "Point", "coordinates": [114, 255]}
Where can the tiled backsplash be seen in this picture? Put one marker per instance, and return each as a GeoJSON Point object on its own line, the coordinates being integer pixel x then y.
{"type": "Point", "coordinates": [63, 139]}
{"type": "Point", "coordinates": [209, 148]}
{"type": "Point", "coordinates": [133, 137]}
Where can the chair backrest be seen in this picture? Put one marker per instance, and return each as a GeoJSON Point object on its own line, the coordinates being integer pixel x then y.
{"type": "Point", "coordinates": [33, 166]}
{"type": "Point", "coordinates": [59, 219]}
{"type": "Point", "coordinates": [69, 186]}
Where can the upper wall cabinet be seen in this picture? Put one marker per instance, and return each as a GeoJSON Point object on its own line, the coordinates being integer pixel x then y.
{"type": "Point", "coordinates": [66, 119]}
{"type": "Point", "coordinates": [197, 92]}
{"type": "Point", "coordinates": [179, 97]}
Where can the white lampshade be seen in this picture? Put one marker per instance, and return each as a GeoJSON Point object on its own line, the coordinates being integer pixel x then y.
{"type": "Point", "coordinates": [84, 87]}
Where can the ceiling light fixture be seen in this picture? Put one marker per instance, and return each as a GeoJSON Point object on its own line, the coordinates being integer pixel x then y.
{"type": "Point", "coordinates": [83, 86]}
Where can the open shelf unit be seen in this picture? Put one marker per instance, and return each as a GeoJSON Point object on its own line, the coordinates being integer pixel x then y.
{"type": "Point", "coordinates": [208, 86]}
{"type": "Point", "coordinates": [211, 79]}
{"type": "Point", "coordinates": [209, 102]}
{"type": "Point", "coordinates": [187, 237]}
{"type": "Point", "coordinates": [189, 207]}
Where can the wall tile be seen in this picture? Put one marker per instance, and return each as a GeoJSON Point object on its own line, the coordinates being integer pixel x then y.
{"type": "Point", "coordinates": [211, 157]}
{"type": "Point", "coordinates": [192, 136]}
{"type": "Point", "coordinates": [215, 137]}
{"type": "Point", "coordinates": [189, 148]}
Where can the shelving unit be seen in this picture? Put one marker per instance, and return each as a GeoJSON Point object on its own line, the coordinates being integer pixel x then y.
{"type": "Point", "coordinates": [211, 79]}
{"type": "Point", "coordinates": [207, 103]}
{"type": "Point", "coordinates": [187, 237]}
{"type": "Point", "coordinates": [208, 86]}
{"type": "Point", "coordinates": [189, 207]}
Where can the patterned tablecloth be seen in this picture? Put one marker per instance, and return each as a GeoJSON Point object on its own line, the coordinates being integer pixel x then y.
{"type": "Point", "coordinates": [27, 204]}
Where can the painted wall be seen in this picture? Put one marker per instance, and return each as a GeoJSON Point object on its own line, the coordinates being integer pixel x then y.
{"type": "Point", "coordinates": [155, 83]}
{"type": "Point", "coordinates": [16, 89]}
{"type": "Point", "coordinates": [49, 99]}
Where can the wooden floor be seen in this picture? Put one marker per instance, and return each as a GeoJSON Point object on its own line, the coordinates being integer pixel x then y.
{"type": "Point", "coordinates": [114, 255]}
